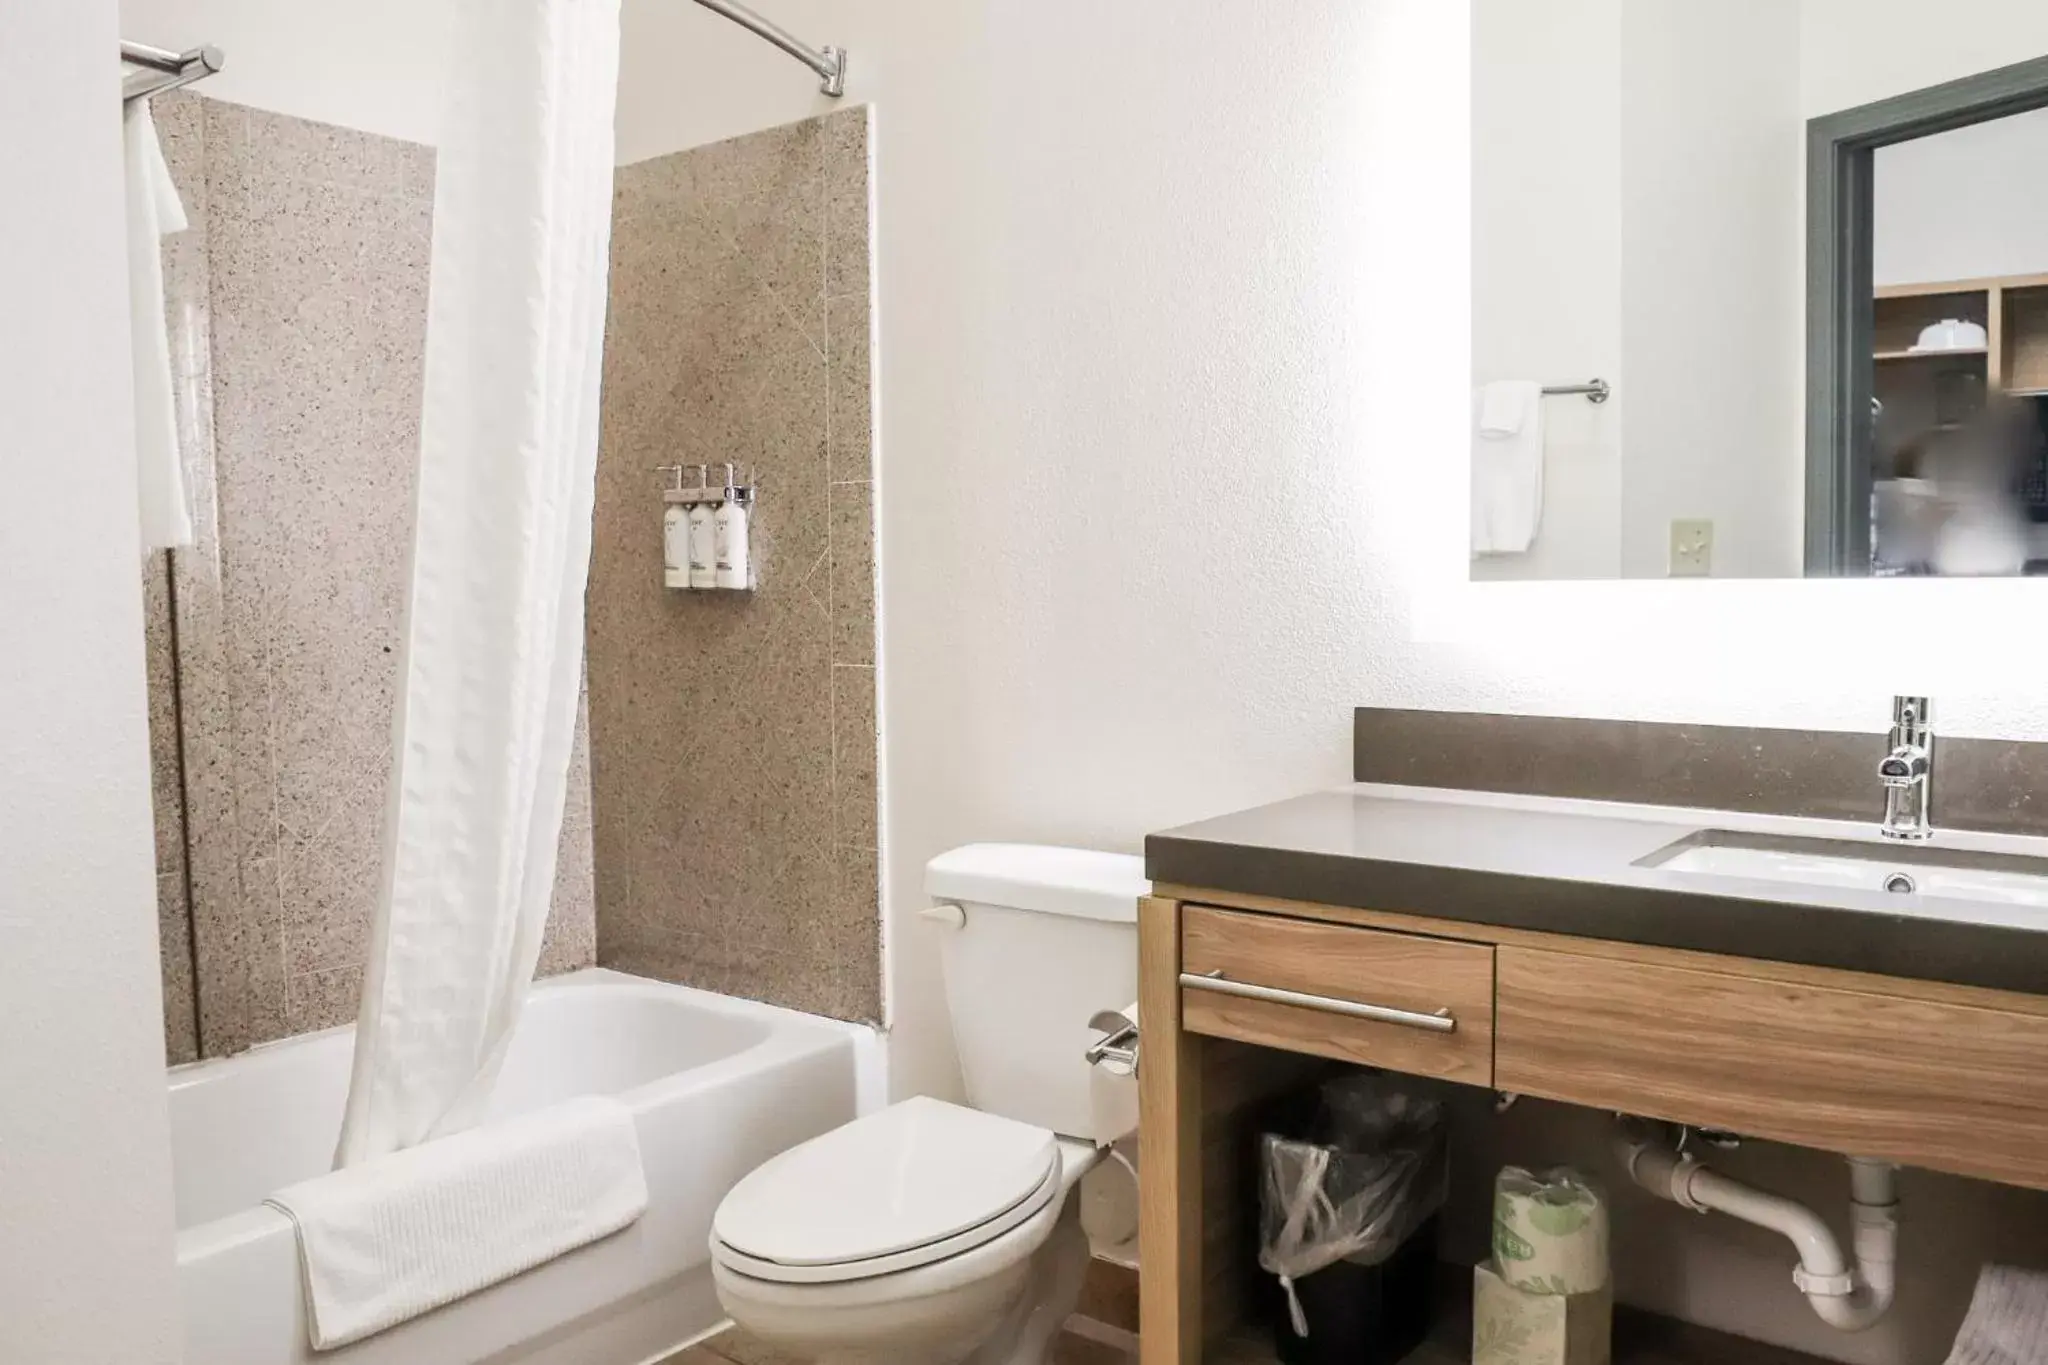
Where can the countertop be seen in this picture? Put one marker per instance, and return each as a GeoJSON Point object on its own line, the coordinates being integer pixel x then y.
{"type": "Point", "coordinates": [1574, 868]}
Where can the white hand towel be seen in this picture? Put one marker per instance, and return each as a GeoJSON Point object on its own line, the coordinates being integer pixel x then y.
{"type": "Point", "coordinates": [2008, 1321]}
{"type": "Point", "coordinates": [1507, 467]}
{"type": "Point", "coordinates": [153, 214]}
{"type": "Point", "coordinates": [1504, 409]}
{"type": "Point", "coordinates": [393, 1238]}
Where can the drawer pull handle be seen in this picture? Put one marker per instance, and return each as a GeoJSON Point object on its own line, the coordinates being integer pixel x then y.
{"type": "Point", "coordinates": [1215, 982]}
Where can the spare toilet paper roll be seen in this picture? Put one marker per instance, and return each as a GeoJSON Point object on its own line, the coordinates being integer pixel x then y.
{"type": "Point", "coordinates": [1549, 1232]}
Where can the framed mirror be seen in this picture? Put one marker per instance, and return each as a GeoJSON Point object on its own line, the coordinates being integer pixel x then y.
{"type": "Point", "coordinates": [1760, 289]}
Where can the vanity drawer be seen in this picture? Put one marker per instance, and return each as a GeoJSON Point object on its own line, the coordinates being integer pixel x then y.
{"type": "Point", "coordinates": [1418, 1005]}
{"type": "Point", "coordinates": [1946, 1086]}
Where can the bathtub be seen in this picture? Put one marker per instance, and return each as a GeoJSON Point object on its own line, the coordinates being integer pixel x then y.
{"type": "Point", "coordinates": [717, 1085]}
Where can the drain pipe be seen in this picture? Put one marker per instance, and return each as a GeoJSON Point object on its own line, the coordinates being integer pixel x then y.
{"type": "Point", "coordinates": [1847, 1297]}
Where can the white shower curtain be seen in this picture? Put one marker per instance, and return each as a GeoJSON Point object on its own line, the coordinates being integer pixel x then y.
{"type": "Point", "coordinates": [494, 651]}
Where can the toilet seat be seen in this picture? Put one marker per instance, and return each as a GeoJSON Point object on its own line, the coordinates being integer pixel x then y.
{"type": "Point", "coordinates": [917, 1183]}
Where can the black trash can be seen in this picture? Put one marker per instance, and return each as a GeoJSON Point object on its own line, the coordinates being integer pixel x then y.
{"type": "Point", "coordinates": [1363, 1314]}
{"type": "Point", "coordinates": [1351, 1180]}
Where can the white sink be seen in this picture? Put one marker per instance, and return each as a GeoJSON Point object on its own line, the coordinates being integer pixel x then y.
{"type": "Point", "coordinates": [1845, 865]}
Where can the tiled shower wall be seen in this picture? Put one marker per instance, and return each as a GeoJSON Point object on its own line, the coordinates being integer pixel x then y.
{"type": "Point", "coordinates": [297, 303]}
{"type": "Point", "coordinates": [734, 735]}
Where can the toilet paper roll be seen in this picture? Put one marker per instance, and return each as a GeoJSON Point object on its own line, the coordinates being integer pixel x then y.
{"type": "Point", "coordinates": [1549, 1232]}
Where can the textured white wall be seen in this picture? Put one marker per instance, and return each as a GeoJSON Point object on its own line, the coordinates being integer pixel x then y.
{"type": "Point", "coordinates": [1966, 204]}
{"type": "Point", "coordinates": [85, 1193]}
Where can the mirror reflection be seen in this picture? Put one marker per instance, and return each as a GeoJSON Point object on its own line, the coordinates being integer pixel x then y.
{"type": "Point", "coordinates": [1760, 289]}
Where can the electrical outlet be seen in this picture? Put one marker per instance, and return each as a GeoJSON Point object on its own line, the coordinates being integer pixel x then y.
{"type": "Point", "coordinates": [1692, 549]}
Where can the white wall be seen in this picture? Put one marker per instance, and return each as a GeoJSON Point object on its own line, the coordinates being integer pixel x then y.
{"type": "Point", "coordinates": [1858, 51]}
{"type": "Point", "coordinates": [1710, 258]}
{"type": "Point", "coordinates": [369, 64]}
{"type": "Point", "coordinates": [1965, 205]}
{"type": "Point", "coordinates": [85, 1195]}
{"type": "Point", "coordinates": [1547, 258]}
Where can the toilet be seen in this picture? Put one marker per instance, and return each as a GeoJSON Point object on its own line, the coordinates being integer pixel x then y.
{"type": "Point", "coordinates": [936, 1234]}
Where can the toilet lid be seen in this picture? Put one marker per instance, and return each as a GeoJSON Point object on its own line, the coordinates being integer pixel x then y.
{"type": "Point", "coordinates": [920, 1175]}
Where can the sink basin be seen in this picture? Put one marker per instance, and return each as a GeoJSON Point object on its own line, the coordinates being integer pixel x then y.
{"type": "Point", "coordinates": [1846, 865]}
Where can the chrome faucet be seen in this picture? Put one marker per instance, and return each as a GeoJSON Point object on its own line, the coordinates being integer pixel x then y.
{"type": "Point", "coordinates": [1908, 771]}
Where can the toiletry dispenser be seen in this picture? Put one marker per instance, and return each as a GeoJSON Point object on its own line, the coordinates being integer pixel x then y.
{"type": "Point", "coordinates": [705, 528]}
{"type": "Point", "coordinates": [702, 572]}
{"type": "Point", "coordinates": [675, 532]}
{"type": "Point", "coordinates": [734, 562]}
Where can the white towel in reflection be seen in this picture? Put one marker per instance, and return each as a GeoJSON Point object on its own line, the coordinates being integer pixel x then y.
{"type": "Point", "coordinates": [153, 214]}
{"type": "Point", "coordinates": [2008, 1321]}
{"type": "Point", "coordinates": [392, 1238]}
{"type": "Point", "coordinates": [1507, 467]}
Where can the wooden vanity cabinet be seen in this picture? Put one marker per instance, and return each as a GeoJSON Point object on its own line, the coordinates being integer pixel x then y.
{"type": "Point", "coordinates": [1951, 1078]}
{"type": "Point", "coordinates": [1923, 1082]}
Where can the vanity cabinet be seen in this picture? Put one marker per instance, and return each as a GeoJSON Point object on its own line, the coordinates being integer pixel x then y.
{"type": "Point", "coordinates": [1953, 1078]}
{"type": "Point", "coordinates": [1845, 1068]}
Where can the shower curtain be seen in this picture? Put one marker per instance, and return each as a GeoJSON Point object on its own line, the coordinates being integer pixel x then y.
{"type": "Point", "coordinates": [493, 657]}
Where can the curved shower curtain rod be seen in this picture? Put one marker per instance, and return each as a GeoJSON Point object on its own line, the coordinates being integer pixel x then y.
{"type": "Point", "coordinates": [828, 62]}
{"type": "Point", "coordinates": [173, 69]}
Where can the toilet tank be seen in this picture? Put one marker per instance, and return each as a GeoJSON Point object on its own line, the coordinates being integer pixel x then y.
{"type": "Point", "coordinates": [1048, 936]}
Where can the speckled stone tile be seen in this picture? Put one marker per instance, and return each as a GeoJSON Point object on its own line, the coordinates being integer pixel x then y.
{"type": "Point", "coordinates": [842, 943]}
{"type": "Point", "coordinates": [847, 138]}
{"type": "Point", "coordinates": [853, 573]}
{"type": "Point", "coordinates": [322, 153]}
{"type": "Point", "coordinates": [850, 421]}
{"type": "Point", "coordinates": [570, 939]}
{"type": "Point", "coordinates": [323, 1000]}
{"type": "Point", "coordinates": [174, 942]}
{"type": "Point", "coordinates": [713, 715]}
{"type": "Point", "coordinates": [307, 339]}
{"type": "Point", "coordinates": [854, 818]}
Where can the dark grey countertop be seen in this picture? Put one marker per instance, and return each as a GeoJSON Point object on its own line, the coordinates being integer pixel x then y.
{"type": "Point", "coordinates": [1574, 867]}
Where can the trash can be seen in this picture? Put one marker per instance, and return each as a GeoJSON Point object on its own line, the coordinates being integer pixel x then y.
{"type": "Point", "coordinates": [1350, 1186]}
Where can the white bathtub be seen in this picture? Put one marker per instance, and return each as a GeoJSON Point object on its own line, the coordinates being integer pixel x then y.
{"type": "Point", "coordinates": [717, 1085]}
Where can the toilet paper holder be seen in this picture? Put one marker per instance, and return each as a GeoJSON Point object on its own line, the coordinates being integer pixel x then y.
{"type": "Point", "coordinates": [1116, 1051]}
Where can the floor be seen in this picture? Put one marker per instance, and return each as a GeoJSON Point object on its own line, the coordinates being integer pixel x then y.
{"type": "Point", "coordinates": [1639, 1339]}
{"type": "Point", "coordinates": [736, 1348]}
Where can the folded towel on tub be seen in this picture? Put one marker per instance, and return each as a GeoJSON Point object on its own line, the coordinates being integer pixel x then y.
{"type": "Point", "coordinates": [2008, 1321]}
{"type": "Point", "coordinates": [402, 1235]}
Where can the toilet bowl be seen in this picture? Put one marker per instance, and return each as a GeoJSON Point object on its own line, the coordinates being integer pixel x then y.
{"type": "Point", "coordinates": [993, 1292]}
{"type": "Point", "coordinates": [938, 1234]}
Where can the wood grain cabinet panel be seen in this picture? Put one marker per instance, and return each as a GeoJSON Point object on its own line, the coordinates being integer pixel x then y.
{"type": "Point", "coordinates": [1339, 965]}
{"type": "Point", "coordinates": [1946, 1086]}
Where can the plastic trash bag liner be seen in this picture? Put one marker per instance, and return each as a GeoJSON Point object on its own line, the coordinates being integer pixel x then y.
{"type": "Point", "coordinates": [1368, 1175]}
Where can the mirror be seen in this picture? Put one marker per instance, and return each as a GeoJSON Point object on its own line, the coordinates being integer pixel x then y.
{"type": "Point", "coordinates": [1760, 289]}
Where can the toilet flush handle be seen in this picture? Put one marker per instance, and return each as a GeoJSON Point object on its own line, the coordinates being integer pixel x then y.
{"type": "Point", "coordinates": [948, 914]}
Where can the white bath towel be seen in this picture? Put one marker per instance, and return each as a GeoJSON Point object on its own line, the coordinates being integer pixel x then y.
{"type": "Point", "coordinates": [2008, 1321]}
{"type": "Point", "coordinates": [1507, 467]}
{"type": "Point", "coordinates": [393, 1238]}
{"type": "Point", "coordinates": [153, 214]}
